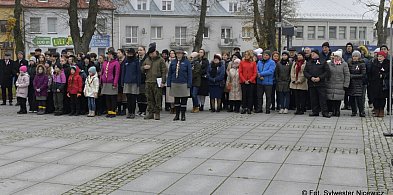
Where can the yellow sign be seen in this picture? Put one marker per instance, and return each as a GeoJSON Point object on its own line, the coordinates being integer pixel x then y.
{"type": "Point", "coordinates": [391, 12]}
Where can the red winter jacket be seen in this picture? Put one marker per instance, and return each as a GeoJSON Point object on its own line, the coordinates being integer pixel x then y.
{"type": "Point", "coordinates": [247, 71]}
{"type": "Point", "coordinates": [75, 83]}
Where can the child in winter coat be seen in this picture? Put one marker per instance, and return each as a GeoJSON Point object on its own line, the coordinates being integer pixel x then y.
{"type": "Point", "coordinates": [59, 83]}
{"type": "Point", "coordinates": [74, 90]}
{"type": "Point", "coordinates": [41, 88]}
{"type": "Point", "coordinates": [22, 89]}
{"type": "Point", "coordinates": [91, 90]}
{"type": "Point", "coordinates": [234, 87]}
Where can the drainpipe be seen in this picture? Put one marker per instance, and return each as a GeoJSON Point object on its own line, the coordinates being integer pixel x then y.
{"type": "Point", "coordinates": [112, 26]}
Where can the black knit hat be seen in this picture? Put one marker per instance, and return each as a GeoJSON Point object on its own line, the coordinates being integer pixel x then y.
{"type": "Point", "coordinates": [165, 51]}
{"type": "Point", "coordinates": [303, 54]}
{"type": "Point", "coordinates": [285, 53]}
{"type": "Point", "coordinates": [268, 52]}
{"type": "Point", "coordinates": [326, 44]}
{"type": "Point", "coordinates": [237, 54]}
{"type": "Point", "coordinates": [152, 48]}
{"type": "Point", "coordinates": [131, 51]}
{"type": "Point", "coordinates": [315, 51]}
{"type": "Point", "coordinates": [349, 43]}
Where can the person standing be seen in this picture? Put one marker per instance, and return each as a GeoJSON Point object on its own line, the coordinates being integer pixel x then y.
{"type": "Point", "coordinates": [19, 63]}
{"type": "Point", "coordinates": [131, 81]}
{"type": "Point", "coordinates": [379, 80]}
{"type": "Point", "coordinates": [337, 82]}
{"type": "Point", "coordinates": [58, 86]}
{"type": "Point", "coordinates": [180, 83]}
{"type": "Point", "coordinates": [357, 70]}
{"type": "Point", "coordinates": [91, 90]}
{"type": "Point", "coordinates": [74, 90]}
{"type": "Point", "coordinates": [196, 81]}
{"type": "Point", "coordinates": [299, 83]}
{"type": "Point", "coordinates": [22, 89]}
{"type": "Point", "coordinates": [234, 88]}
{"type": "Point", "coordinates": [283, 72]}
{"type": "Point", "coordinates": [156, 72]}
{"type": "Point", "coordinates": [109, 81]}
{"type": "Point", "coordinates": [142, 99]}
{"type": "Point", "coordinates": [265, 76]}
{"type": "Point", "coordinates": [121, 97]}
{"type": "Point", "coordinates": [203, 90]}
{"type": "Point", "coordinates": [316, 72]}
{"type": "Point", "coordinates": [215, 74]}
{"type": "Point", "coordinates": [31, 70]}
{"type": "Point", "coordinates": [325, 54]}
{"type": "Point", "coordinates": [41, 88]}
{"type": "Point", "coordinates": [7, 73]}
{"type": "Point", "coordinates": [247, 75]}
{"type": "Point", "coordinates": [169, 100]}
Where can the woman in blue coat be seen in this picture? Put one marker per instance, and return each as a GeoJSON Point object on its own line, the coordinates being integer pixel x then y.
{"type": "Point", "coordinates": [216, 74]}
{"type": "Point", "coordinates": [131, 81]}
{"type": "Point", "coordinates": [180, 82]}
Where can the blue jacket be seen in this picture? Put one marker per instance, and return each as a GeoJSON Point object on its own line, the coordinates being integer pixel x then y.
{"type": "Point", "coordinates": [219, 79]}
{"type": "Point", "coordinates": [131, 72]}
{"type": "Point", "coordinates": [266, 70]}
{"type": "Point", "coordinates": [184, 75]}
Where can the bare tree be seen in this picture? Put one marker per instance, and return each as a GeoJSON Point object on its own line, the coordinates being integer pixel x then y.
{"type": "Point", "coordinates": [269, 24]}
{"type": "Point", "coordinates": [81, 43]}
{"type": "Point", "coordinates": [257, 24]}
{"type": "Point", "coordinates": [201, 26]}
{"type": "Point", "coordinates": [18, 35]}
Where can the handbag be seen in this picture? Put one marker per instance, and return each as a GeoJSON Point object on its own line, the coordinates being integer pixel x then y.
{"type": "Point", "coordinates": [229, 86]}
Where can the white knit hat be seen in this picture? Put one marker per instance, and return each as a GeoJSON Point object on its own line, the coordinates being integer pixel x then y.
{"type": "Point", "coordinates": [338, 53]}
{"type": "Point", "coordinates": [377, 50]}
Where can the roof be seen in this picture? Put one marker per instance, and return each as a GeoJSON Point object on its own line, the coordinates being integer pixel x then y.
{"type": "Point", "coordinates": [181, 8]}
{"type": "Point", "coordinates": [333, 9]}
{"type": "Point", "coordinates": [62, 4]}
{"type": "Point", "coordinates": [7, 2]}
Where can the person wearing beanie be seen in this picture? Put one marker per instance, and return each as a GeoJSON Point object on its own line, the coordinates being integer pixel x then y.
{"type": "Point", "coordinates": [326, 52]}
{"type": "Point", "coordinates": [357, 71]}
{"type": "Point", "coordinates": [40, 84]}
{"type": "Point", "coordinates": [337, 83]}
{"type": "Point", "coordinates": [317, 72]}
{"type": "Point", "coordinates": [180, 83]}
{"type": "Point", "coordinates": [348, 51]}
{"type": "Point", "coordinates": [384, 48]}
{"type": "Point", "coordinates": [22, 89]}
{"type": "Point", "coordinates": [265, 78]}
{"type": "Point", "coordinates": [131, 81]}
{"type": "Point", "coordinates": [291, 54]}
{"type": "Point", "coordinates": [155, 69]}
{"type": "Point", "coordinates": [74, 90]}
{"type": "Point", "coordinates": [216, 74]}
{"type": "Point", "coordinates": [58, 87]}
{"type": "Point", "coordinates": [234, 87]}
{"type": "Point", "coordinates": [247, 76]}
{"type": "Point", "coordinates": [299, 83]}
{"type": "Point", "coordinates": [91, 90]}
{"type": "Point", "coordinates": [283, 78]}
{"type": "Point", "coordinates": [378, 77]}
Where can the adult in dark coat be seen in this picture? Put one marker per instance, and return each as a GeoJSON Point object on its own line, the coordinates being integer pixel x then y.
{"type": "Point", "coordinates": [203, 90]}
{"type": "Point", "coordinates": [378, 77]}
{"type": "Point", "coordinates": [357, 70]}
{"type": "Point", "coordinates": [316, 73]}
{"type": "Point", "coordinates": [31, 69]}
{"type": "Point", "coordinates": [7, 72]}
{"type": "Point", "coordinates": [326, 53]}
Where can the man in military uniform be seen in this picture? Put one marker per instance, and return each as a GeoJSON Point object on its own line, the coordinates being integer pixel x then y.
{"type": "Point", "coordinates": [156, 71]}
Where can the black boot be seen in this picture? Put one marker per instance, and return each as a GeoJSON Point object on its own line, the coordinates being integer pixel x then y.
{"type": "Point", "coordinates": [177, 113]}
{"type": "Point", "coordinates": [183, 115]}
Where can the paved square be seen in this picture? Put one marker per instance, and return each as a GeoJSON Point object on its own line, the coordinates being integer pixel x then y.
{"type": "Point", "coordinates": [220, 153]}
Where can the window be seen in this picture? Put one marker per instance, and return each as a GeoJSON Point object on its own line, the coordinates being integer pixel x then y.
{"type": "Point", "coordinates": [3, 26]}
{"type": "Point", "coordinates": [353, 32]}
{"type": "Point", "coordinates": [166, 5]}
{"type": "Point", "coordinates": [180, 35]}
{"type": "Point", "coordinates": [52, 23]}
{"type": "Point", "coordinates": [101, 25]}
{"type": "Point", "coordinates": [233, 7]}
{"type": "Point", "coordinates": [299, 32]}
{"type": "Point", "coordinates": [321, 32]}
{"type": "Point", "coordinates": [332, 32]}
{"type": "Point", "coordinates": [141, 4]}
{"type": "Point", "coordinates": [247, 32]}
{"type": "Point", "coordinates": [311, 32]}
{"type": "Point", "coordinates": [362, 33]}
{"type": "Point", "coordinates": [35, 25]}
{"type": "Point", "coordinates": [342, 32]}
{"type": "Point", "coordinates": [206, 32]}
{"type": "Point", "coordinates": [156, 32]}
{"type": "Point", "coordinates": [225, 33]}
{"type": "Point", "coordinates": [131, 34]}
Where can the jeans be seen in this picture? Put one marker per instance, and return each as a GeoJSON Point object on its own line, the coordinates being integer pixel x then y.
{"type": "Point", "coordinates": [284, 98]}
{"type": "Point", "coordinates": [91, 103]}
{"type": "Point", "coordinates": [267, 90]}
{"type": "Point", "coordinates": [356, 104]}
{"type": "Point", "coordinates": [194, 95]}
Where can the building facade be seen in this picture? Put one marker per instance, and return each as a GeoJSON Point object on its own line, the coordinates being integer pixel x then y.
{"type": "Point", "coordinates": [6, 22]}
{"type": "Point", "coordinates": [46, 25]}
{"type": "Point", "coordinates": [336, 21]}
{"type": "Point", "coordinates": [173, 24]}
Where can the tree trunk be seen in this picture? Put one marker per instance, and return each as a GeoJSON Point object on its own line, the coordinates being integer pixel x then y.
{"type": "Point", "coordinates": [201, 27]}
{"type": "Point", "coordinates": [385, 27]}
{"type": "Point", "coordinates": [269, 24]}
{"type": "Point", "coordinates": [379, 25]}
{"type": "Point", "coordinates": [18, 37]}
{"type": "Point", "coordinates": [258, 25]}
{"type": "Point", "coordinates": [81, 43]}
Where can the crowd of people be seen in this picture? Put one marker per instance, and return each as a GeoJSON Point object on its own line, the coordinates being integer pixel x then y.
{"type": "Point", "coordinates": [126, 81]}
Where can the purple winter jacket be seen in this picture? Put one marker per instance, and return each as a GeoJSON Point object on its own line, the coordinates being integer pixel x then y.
{"type": "Point", "coordinates": [110, 72]}
{"type": "Point", "coordinates": [41, 82]}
